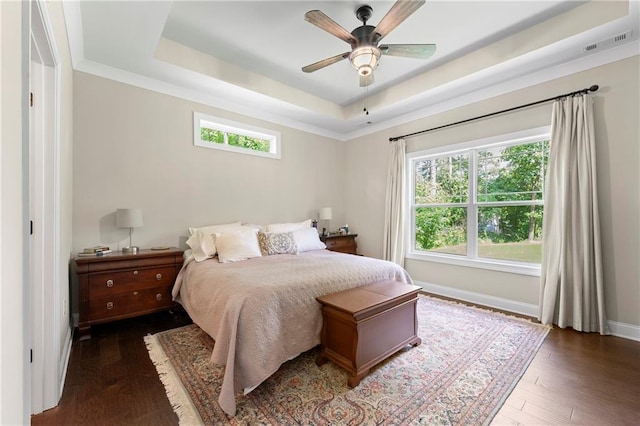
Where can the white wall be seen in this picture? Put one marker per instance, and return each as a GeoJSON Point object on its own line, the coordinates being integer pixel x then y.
{"type": "Point", "coordinates": [618, 163]}
{"type": "Point", "coordinates": [14, 395]}
{"type": "Point", "coordinates": [12, 347]}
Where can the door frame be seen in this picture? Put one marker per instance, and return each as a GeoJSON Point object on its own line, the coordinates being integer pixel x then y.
{"type": "Point", "coordinates": [46, 310]}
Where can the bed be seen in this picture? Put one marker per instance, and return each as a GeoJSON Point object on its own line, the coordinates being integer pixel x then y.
{"type": "Point", "coordinates": [262, 311]}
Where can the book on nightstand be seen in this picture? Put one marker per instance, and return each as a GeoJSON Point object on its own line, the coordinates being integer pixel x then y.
{"type": "Point", "coordinates": [95, 251]}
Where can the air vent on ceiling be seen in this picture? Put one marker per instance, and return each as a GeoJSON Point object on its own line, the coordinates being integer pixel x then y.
{"type": "Point", "coordinates": [609, 41]}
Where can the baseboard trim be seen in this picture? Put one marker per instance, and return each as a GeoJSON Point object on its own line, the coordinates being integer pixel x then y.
{"type": "Point", "coordinates": [619, 329]}
{"type": "Point", "coordinates": [481, 299]}
{"type": "Point", "coordinates": [622, 329]}
{"type": "Point", "coordinates": [66, 356]}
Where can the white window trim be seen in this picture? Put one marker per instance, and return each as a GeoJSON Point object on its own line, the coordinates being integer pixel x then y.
{"type": "Point", "coordinates": [216, 123]}
{"type": "Point", "coordinates": [514, 267]}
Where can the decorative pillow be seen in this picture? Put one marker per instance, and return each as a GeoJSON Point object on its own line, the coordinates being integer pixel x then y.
{"type": "Point", "coordinates": [201, 240]}
{"type": "Point", "coordinates": [234, 246]}
{"type": "Point", "coordinates": [288, 227]}
{"type": "Point", "coordinates": [308, 239]}
{"type": "Point", "coordinates": [277, 243]}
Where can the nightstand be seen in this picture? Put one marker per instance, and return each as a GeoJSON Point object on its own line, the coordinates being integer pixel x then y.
{"type": "Point", "coordinates": [342, 243]}
{"type": "Point", "coordinates": [117, 286]}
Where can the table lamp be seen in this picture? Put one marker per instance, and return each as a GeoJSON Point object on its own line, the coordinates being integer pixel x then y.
{"type": "Point", "coordinates": [326, 214]}
{"type": "Point", "coordinates": [129, 218]}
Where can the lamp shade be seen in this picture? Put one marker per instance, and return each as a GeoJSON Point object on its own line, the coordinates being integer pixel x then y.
{"type": "Point", "coordinates": [129, 218]}
{"type": "Point", "coordinates": [325, 213]}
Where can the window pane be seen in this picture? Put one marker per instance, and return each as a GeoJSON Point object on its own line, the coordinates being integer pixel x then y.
{"type": "Point", "coordinates": [442, 180]}
{"type": "Point", "coordinates": [512, 173]}
{"type": "Point", "coordinates": [510, 233]}
{"type": "Point", "coordinates": [247, 142]}
{"type": "Point", "coordinates": [210, 135]}
{"type": "Point", "coordinates": [441, 229]}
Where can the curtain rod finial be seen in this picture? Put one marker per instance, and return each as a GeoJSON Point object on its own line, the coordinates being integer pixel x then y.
{"type": "Point", "coordinates": [594, 88]}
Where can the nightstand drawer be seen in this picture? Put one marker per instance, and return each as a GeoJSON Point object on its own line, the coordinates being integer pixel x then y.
{"type": "Point", "coordinates": [342, 243]}
{"type": "Point", "coordinates": [110, 283]}
{"type": "Point", "coordinates": [134, 301]}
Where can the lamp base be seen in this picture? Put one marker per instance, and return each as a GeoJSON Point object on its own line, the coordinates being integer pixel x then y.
{"type": "Point", "coordinates": [130, 250]}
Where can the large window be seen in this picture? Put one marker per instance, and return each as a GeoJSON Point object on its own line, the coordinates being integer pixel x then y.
{"type": "Point", "coordinates": [480, 203]}
{"type": "Point", "coordinates": [219, 133]}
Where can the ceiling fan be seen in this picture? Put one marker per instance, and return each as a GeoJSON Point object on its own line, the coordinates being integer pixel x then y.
{"type": "Point", "coordinates": [365, 52]}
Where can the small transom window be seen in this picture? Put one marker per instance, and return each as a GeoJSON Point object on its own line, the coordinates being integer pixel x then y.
{"type": "Point", "coordinates": [219, 133]}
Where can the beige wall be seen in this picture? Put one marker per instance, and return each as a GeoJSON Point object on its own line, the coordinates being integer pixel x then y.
{"type": "Point", "coordinates": [617, 136]}
{"type": "Point", "coordinates": [134, 148]}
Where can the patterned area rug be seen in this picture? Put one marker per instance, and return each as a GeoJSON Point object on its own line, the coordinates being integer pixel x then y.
{"type": "Point", "coordinates": [469, 361]}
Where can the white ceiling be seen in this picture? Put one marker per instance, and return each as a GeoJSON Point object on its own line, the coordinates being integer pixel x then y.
{"type": "Point", "coordinates": [247, 56]}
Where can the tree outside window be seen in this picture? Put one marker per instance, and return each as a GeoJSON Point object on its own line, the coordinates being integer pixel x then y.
{"type": "Point", "coordinates": [232, 139]}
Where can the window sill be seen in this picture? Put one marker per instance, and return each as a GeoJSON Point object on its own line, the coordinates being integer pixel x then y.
{"type": "Point", "coordinates": [493, 265]}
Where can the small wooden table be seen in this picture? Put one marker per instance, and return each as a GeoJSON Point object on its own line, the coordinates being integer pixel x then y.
{"type": "Point", "coordinates": [365, 325]}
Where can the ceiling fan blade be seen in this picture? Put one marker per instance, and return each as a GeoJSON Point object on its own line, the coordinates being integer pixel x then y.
{"type": "Point", "coordinates": [400, 11]}
{"type": "Point", "coordinates": [325, 62]}
{"type": "Point", "coordinates": [366, 80]}
{"type": "Point", "coordinates": [323, 22]}
{"type": "Point", "coordinates": [418, 51]}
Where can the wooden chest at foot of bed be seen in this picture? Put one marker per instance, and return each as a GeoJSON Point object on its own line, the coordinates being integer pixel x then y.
{"type": "Point", "coordinates": [365, 325]}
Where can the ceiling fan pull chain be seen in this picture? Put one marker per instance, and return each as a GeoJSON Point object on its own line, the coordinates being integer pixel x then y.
{"type": "Point", "coordinates": [366, 98]}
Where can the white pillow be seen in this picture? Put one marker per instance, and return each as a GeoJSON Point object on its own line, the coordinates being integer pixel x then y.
{"type": "Point", "coordinates": [288, 227]}
{"type": "Point", "coordinates": [234, 246]}
{"type": "Point", "coordinates": [202, 248]}
{"type": "Point", "coordinates": [308, 239]}
{"type": "Point", "coordinates": [260, 228]}
{"type": "Point", "coordinates": [202, 242]}
{"type": "Point", "coordinates": [214, 228]}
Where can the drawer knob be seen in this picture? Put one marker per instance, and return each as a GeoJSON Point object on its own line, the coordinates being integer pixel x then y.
{"type": "Point", "coordinates": [158, 277]}
{"type": "Point", "coordinates": [135, 293]}
{"type": "Point", "coordinates": [109, 305]}
{"type": "Point", "coordinates": [158, 296]}
{"type": "Point", "coordinates": [135, 272]}
{"type": "Point", "coordinates": [109, 283]}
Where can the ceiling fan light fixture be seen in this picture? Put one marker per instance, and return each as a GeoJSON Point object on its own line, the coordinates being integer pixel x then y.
{"type": "Point", "coordinates": [365, 70]}
{"type": "Point", "coordinates": [365, 59]}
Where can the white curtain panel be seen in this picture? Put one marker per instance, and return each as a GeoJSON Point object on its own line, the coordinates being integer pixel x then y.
{"type": "Point", "coordinates": [571, 291]}
{"type": "Point", "coordinates": [393, 249]}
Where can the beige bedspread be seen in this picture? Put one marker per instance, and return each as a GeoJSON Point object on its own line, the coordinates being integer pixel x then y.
{"type": "Point", "coordinates": [262, 312]}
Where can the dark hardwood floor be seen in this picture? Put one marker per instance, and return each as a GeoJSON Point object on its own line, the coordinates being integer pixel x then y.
{"type": "Point", "coordinates": [576, 378]}
{"type": "Point", "coordinates": [111, 380]}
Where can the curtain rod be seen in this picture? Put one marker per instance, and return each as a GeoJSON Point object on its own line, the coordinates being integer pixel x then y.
{"type": "Point", "coordinates": [586, 90]}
